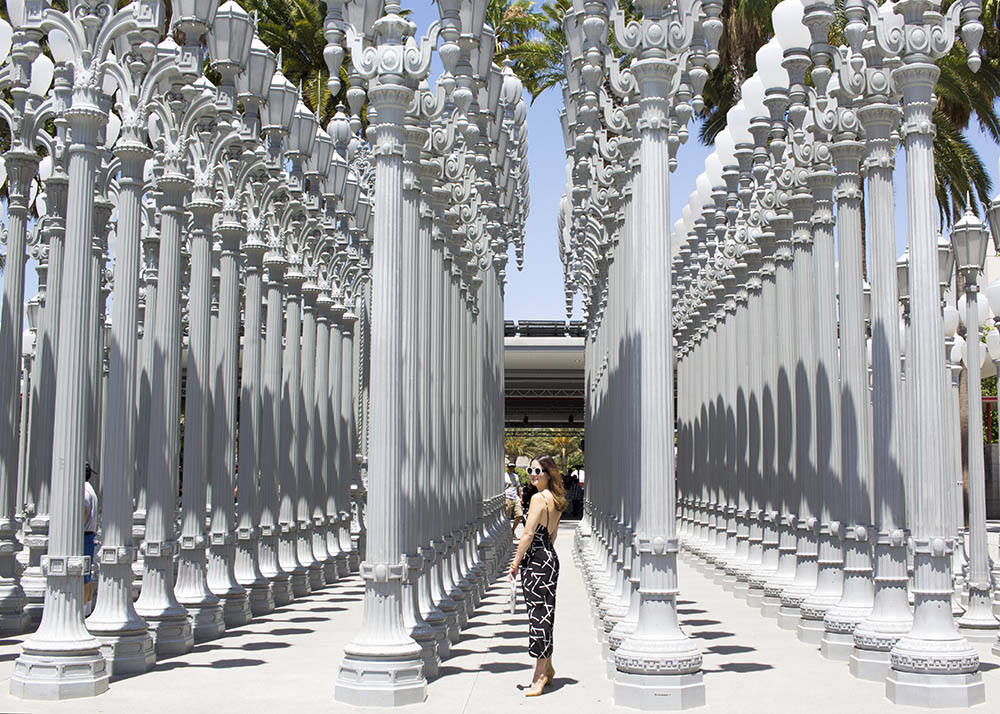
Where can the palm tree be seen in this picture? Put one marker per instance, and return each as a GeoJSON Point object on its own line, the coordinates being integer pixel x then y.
{"type": "Point", "coordinates": [295, 28]}
{"type": "Point", "coordinates": [961, 93]}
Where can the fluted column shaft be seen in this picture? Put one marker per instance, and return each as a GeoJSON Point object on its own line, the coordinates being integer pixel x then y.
{"type": "Point", "coordinates": [248, 492]}
{"type": "Point", "coordinates": [21, 167]}
{"type": "Point", "coordinates": [890, 617]}
{"type": "Point", "coordinates": [657, 637]}
{"type": "Point", "coordinates": [192, 589]}
{"type": "Point", "coordinates": [62, 638]}
{"type": "Point", "coordinates": [222, 549]}
{"type": "Point", "coordinates": [270, 438]}
{"type": "Point", "coordinates": [304, 440]}
{"type": "Point", "coordinates": [382, 643]}
{"type": "Point", "coordinates": [114, 621]}
{"type": "Point", "coordinates": [291, 397]}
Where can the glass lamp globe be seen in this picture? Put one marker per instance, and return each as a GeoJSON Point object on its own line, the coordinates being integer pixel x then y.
{"type": "Point", "coordinates": [363, 14]}
{"type": "Point", "coordinates": [982, 313]}
{"type": "Point", "coordinates": [15, 11]}
{"type": "Point", "coordinates": [256, 78]}
{"type": "Point", "coordinates": [704, 187]}
{"type": "Point", "coordinates": [473, 14]}
{"type": "Point", "coordinates": [903, 275]}
{"type": "Point", "coordinates": [738, 122]}
{"type": "Point", "coordinates": [753, 98]}
{"type": "Point", "coordinates": [993, 216]}
{"type": "Point", "coordinates": [957, 355]}
{"type": "Point", "coordinates": [319, 160]}
{"type": "Point", "coordinates": [789, 31]}
{"type": "Point", "coordinates": [769, 67]}
{"type": "Point", "coordinates": [965, 354]}
{"type": "Point", "coordinates": [725, 147]}
{"type": "Point", "coordinates": [42, 70]}
{"type": "Point", "coordinates": [993, 296]}
{"type": "Point", "coordinates": [230, 38]}
{"type": "Point", "coordinates": [993, 345]}
{"type": "Point", "coordinates": [713, 170]}
{"type": "Point", "coordinates": [281, 99]}
{"type": "Point", "coordinates": [951, 320]}
{"type": "Point", "coordinates": [351, 191]}
{"type": "Point", "coordinates": [574, 36]}
{"type": "Point", "coordinates": [302, 131]}
{"type": "Point", "coordinates": [969, 239]}
{"type": "Point", "coordinates": [364, 213]}
{"type": "Point", "coordinates": [195, 12]}
{"type": "Point", "coordinates": [946, 261]}
{"type": "Point", "coordinates": [59, 45]}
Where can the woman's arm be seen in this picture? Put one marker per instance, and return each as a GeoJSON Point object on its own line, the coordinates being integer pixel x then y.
{"type": "Point", "coordinates": [535, 508]}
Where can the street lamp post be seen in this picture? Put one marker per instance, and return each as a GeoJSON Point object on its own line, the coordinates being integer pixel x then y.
{"type": "Point", "coordinates": [970, 238]}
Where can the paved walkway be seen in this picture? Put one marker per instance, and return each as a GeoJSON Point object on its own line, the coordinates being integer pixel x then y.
{"type": "Point", "coordinates": [287, 662]}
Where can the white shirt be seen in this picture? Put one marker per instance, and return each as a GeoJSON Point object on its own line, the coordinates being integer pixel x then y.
{"type": "Point", "coordinates": [89, 508]}
{"type": "Point", "coordinates": [510, 492]}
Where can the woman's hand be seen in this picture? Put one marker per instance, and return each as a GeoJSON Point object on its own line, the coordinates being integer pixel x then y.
{"type": "Point", "coordinates": [513, 569]}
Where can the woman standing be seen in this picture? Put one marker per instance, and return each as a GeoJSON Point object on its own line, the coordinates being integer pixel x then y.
{"type": "Point", "coordinates": [541, 566]}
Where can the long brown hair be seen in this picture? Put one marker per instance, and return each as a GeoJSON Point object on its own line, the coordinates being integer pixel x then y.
{"type": "Point", "coordinates": [555, 480]}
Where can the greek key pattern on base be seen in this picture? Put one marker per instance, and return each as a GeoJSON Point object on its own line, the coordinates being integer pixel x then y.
{"type": "Point", "coordinates": [812, 612]}
{"type": "Point", "coordinates": [635, 665]}
{"type": "Point", "coordinates": [791, 599]}
{"type": "Point", "coordinates": [871, 641]}
{"type": "Point", "coordinates": [839, 625]}
{"type": "Point", "coordinates": [938, 664]}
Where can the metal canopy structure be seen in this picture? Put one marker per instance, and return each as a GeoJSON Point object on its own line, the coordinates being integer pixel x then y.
{"type": "Point", "coordinates": [543, 374]}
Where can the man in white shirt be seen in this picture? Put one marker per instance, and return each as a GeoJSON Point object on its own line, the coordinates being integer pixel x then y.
{"type": "Point", "coordinates": [89, 536]}
{"type": "Point", "coordinates": [512, 498]}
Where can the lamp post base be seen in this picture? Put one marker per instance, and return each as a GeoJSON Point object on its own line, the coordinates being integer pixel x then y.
{"type": "Point", "coordinates": [659, 692]}
{"type": "Point", "coordinates": [380, 683]}
{"type": "Point", "coordinates": [172, 635]}
{"type": "Point", "coordinates": [837, 646]}
{"type": "Point", "coordinates": [935, 690]}
{"type": "Point", "coordinates": [52, 678]}
{"type": "Point", "coordinates": [127, 652]}
{"type": "Point", "coordinates": [871, 665]}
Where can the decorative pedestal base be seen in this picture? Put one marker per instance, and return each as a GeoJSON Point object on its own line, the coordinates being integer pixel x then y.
{"type": "Point", "coordinates": [281, 591]}
{"type": "Point", "coordinates": [261, 599]}
{"type": "Point", "coordinates": [755, 597]}
{"type": "Point", "coordinates": [344, 568]}
{"type": "Point", "coordinates": [48, 678]}
{"type": "Point", "coordinates": [659, 692]}
{"type": "Point", "coordinates": [330, 571]}
{"type": "Point", "coordinates": [236, 610]}
{"type": "Point", "coordinates": [837, 646]}
{"type": "Point", "coordinates": [300, 584]}
{"type": "Point", "coordinates": [788, 617]}
{"type": "Point", "coordinates": [872, 665]}
{"type": "Point", "coordinates": [172, 636]}
{"type": "Point", "coordinates": [127, 652]}
{"type": "Point", "coordinates": [769, 606]}
{"type": "Point", "coordinates": [810, 631]}
{"type": "Point", "coordinates": [207, 622]}
{"type": "Point", "coordinates": [316, 579]}
{"type": "Point", "coordinates": [380, 682]}
{"type": "Point", "coordinates": [13, 624]}
{"type": "Point", "coordinates": [936, 691]}
{"type": "Point", "coordinates": [976, 634]}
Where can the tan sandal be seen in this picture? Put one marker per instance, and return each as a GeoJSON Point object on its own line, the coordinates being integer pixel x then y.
{"type": "Point", "coordinates": [545, 681]}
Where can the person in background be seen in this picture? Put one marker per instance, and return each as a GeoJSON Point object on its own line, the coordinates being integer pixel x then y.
{"type": "Point", "coordinates": [512, 498]}
{"type": "Point", "coordinates": [89, 536]}
{"type": "Point", "coordinates": [575, 494]}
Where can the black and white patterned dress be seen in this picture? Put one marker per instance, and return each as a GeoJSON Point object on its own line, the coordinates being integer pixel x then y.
{"type": "Point", "coordinates": [539, 574]}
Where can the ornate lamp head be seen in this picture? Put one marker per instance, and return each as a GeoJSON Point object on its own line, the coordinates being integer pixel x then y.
{"type": "Point", "coordinates": [230, 39]}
